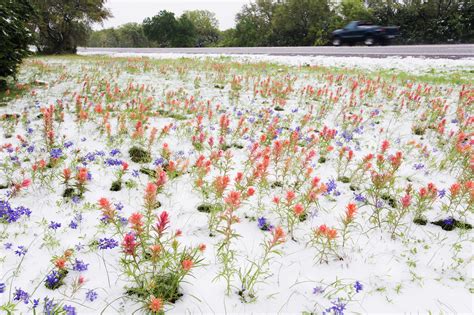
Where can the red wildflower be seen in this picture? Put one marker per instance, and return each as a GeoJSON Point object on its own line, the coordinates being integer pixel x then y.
{"type": "Point", "coordinates": [351, 210]}
{"type": "Point", "coordinates": [187, 264]}
{"type": "Point", "coordinates": [129, 244]}
{"type": "Point", "coordinates": [233, 199]}
{"type": "Point", "coordinates": [163, 221]}
{"type": "Point", "coordinates": [278, 236]}
{"type": "Point", "coordinates": [155, 305]}
{"type": "Point", "coordinates": [298, 209]}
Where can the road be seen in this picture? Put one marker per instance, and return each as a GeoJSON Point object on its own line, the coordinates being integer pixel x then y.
{"type": "Point", "coordinates": [428, 51]}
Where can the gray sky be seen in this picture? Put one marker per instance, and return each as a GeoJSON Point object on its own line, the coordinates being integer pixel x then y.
{"type": "Point", "coordinates": [125, 11]}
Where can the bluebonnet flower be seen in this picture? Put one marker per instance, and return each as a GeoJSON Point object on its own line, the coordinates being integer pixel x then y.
{"type": "Point", "coordinates": [30, 149]}
{"type": "Point", "coordinates": [70, 310]}
{"type": "Point", "coordinates": [123, 220]}
{"type": "Point", "coordinates": [8, 245]}
{"type": "Point", "coordinates": [359, 197]}
{"type": "Point", "coordinates": [118, 206]}
{"type": "Point", "coordinates": [159, 161]}
{"type": "Point", "coordinates": [331, 186]}
{"type": "Point", "coordinates": [107, 243]}
{"type": "Point", "coordinates": [79, 265]}
{"type": "Point", "coordinates": [76, 199]}
{"type": "Point", "coordinates": [2, 287]}
{"type": "Point", "coordinates": [442, 193]}
{"type": "Point", "coordinates": [10, 214]}
{"type": "Point", "coordinates": [418, 166]}
{"type": "Point", "coordinates": [114, 152]}
{"type": "Point", "coordinates": [347, 135]}
{"type": "Point", "coordinates": [318, 290]}
{"type": "Point", "coordinates": [35, 303]}
{"type": "Point", "coordinates": [29, 131]}
{"type": "Point", "coordinates": [21, 295]}
{"type": "Point", "coordinates": [21, 251]}
{"type": "Point", "coordinates": [56, 153]}
{"type": "Point", "coordinates": [52, 279]}
{"type": "Point", "coordinates": [135, 173]}
{"type": "Point", "coordinates": [91, 295]}
{"type": "Point", "coordinates": [49, 306]}
{"type": "Point", "coordinates": [79, 247]}
{"type": "Point", "coordinates": [263, 224]}
{"type": "Point", "coordinates": [73, 225]}
{"type": "Point", "coordinates": [337, 308]}
{"type": "Point", "coordinates": [358, 286]}
{"type": "Point", "coordinates": [448, 221]}
{"type": "Point", "coordinates": [379, 204]}
{"type": "Point", "coordinates": [113, 162]}
{"type": "Point", "coordinates": [54, 225]}
{"type": "Point", "coordinates": [68, 144]}
{"type": "Point", "coordinates": [454, 121]}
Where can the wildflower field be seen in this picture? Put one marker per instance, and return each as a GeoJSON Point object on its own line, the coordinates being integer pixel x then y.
{"type": "Point", "coordinates": [211, 185]}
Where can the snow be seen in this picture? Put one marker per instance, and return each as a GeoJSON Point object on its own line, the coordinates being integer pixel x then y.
{"type": "Point", "coordinates": [416, 273]}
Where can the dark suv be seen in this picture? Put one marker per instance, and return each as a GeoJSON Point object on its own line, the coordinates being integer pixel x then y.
{"type": "Point", "coordinates": [369, 34]}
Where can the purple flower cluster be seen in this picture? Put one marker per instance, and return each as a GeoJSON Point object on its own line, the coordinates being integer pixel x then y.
{"type": "Point", "coordinates": [56, 153]}
{"type": "Point", "coordinates": [54, 225]}
{"type": "Point", "coordinates": [107, 243]}
{"type": "Point", "coordinates": [79, 265]}
{"type": "Point", "coordinates": [9, 214]}
{"type": "Point", "coordinates": [21, 295]}
{"type": "Point", "coordinates": [264, 225]}
{"type": "Point", "coordinates": [91, 295]}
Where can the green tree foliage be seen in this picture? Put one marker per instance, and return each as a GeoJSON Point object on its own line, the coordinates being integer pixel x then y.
{"type": "Point", "coordinates": [14, 36]}
{"type": "Point", "coordinates": [427, 21]}
{"type": "Point", "coordinates": [206, 25]}
{"type": "Point", "coordinates": [254, 24]}
{"type": "Point", "coordinates": [127, 35]}
{"type": "Point", "coordinates": [301, 22]}
{"type": "Point", "coordinates": [166, 31]}
{"type": "Point", "coordinates": [62, 25]}
{"type": "Point", "coordinates": [161, 28]}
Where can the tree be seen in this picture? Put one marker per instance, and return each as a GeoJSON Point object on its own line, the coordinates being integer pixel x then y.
{"type": "Point", "coordinates": [14, 37]}
{"type": "Point", "coordinates": [62, 25]}
{"type": "Point", "coordinates": [161, 28]}
{"type": "Point", "coordinates": [185, 34]}
{"type": "Point", "coordinates": [206, 25]}
{"type": "Point", "coordinates": [302, 22]}
{"type": "Point", "coordinates": [131, 35]}
{"type": "Point", "coordinates": [253, 23]}
{"type": "Point", "coordinates": [355, 10]}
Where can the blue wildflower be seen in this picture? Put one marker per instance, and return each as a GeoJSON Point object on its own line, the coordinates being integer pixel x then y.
{"type": "Point", "coordinates": [21, 251]}
{"type": "Point", "coordinates": [68, 144]}
{"type": "Point", "coordinates": [54, 225]}
{"type": "Point", "coordinates": [21, 295]}
{"type": "Point", "coordinates": [56, 153]}
{"type": "Point", "coordinates": [449, 221]}
{"type": "Point", "coordinates": [70, 310]}
{"type": "Point", "coordinates": [79, 265]}
{"type": "Point", "coordinates": [2, 287]}
{"type": "Point", "coordinates": [107, 243]}
{"type": "Point", "coordinates": [91, 295]}
{"type": "Point", "coordinates": [318, 290]}
{"type": "Point", "coordinates": [358, 286]}
{"type": "Point", "coordinates": [52, 280]}
{"type": "Point", "coordinates": [263, 224]}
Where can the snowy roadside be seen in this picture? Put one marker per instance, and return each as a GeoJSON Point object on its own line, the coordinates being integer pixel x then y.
{"type": "Point", "coordinates": [412, 64]}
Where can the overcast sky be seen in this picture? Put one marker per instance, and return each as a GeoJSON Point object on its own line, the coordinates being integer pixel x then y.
{"type": "Point", "coordinates": [125, 11]}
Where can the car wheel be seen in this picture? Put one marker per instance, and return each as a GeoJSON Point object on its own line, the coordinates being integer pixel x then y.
{"type": "Point", "coordinates": [336, 41]}
{"type": "Point", "coordinates": [369, 41]}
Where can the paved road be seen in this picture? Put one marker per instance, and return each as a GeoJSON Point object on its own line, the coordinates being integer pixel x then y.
{"type": "Point", "coordinates": [431, 51]}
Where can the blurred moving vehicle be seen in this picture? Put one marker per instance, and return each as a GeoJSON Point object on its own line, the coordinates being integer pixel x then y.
{"type": "Point", "coordinates": [366, 32]}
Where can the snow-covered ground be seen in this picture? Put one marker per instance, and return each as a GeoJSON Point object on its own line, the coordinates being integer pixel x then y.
{"type": "Point", "coordinates": [104, 106]}
{"type": "Point", "coordinates": [413, 65]}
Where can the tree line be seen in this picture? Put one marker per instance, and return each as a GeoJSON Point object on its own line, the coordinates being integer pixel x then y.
{"type": "Point", "coordinates": [297, 23]}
